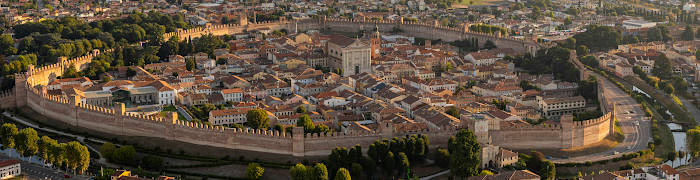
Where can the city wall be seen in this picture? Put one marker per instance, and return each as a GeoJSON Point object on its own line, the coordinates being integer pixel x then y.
{"type": "Point", "coordinates": [30, 91]}
{"type": "Point", "coordinates": [418, 29]}
{"type": "Point", "coordinates": [569, 134]}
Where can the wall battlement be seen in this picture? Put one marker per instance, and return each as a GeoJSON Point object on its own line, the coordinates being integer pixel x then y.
{"type": "Point", "coordinates": [30, 91]}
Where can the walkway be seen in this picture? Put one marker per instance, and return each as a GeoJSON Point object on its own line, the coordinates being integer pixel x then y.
{"type": "Point", "coordinates": [435, 175]}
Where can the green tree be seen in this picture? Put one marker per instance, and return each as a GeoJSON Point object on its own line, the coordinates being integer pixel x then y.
{"type": "Point", "coordinates": [190, 64]}
{"type": "Point", "coordinates": [57, 155]}
{"type": "Point", "coordinates": [581, 50]}
{"type": "Point", "coordinates": [464, 157]}
{"type": "Point", "coordinates": [389, 162]}
{"type": "Point", "coordinates": [403, 162]}
{"type": "Point", "coordinates": [7, 134]}
{"type": "Point", "coordinates": [301, 109]}
{"type": "Point", "coordinates": [107, 150]}
{"type": "Point", "coordinates": [71, 72]}
{"type": "Point", "coordinates": [125, 155]}
{"type": "Point", "coordinates": [152, 162]}
{"type": "Point", "coordinates": [668, 88]}
{"type": "Point", "coordinates": [688, 34]}
{"type": "Point", "coordinates": [305, 121]}
{"type": "Point", "coordinates": [254, 171]}
{"type": "Point", "coordinates": [442, 158]}
{"type": "Point", "coordinates": [258, 119]}
{"type": "Point", "coordinates": [45, 144]}
{"type": "Point", "coordinates": [77, 156]}
{"type": "Point", "coordinates": [693, 141]}
{"type": "Point", "coordinates": [356, 170]}
{"type": "Point", "coordinates": [7, 45]}
{"type": "Point", "coordinates": [453, 111]}
{"type": "Point", "coordinates": [538, 164]}
{"type": "Point", "coordinates": [320, 172]}
{"type": "Point", "coordinates": [299, 172]}
{"type": "Point", "coordinates": [672, 156]}
{"type": "Point", "coordinates": [26, 142]}
{"type": "Point", "coordinates": [342, 174]}
{"type": "Point", "coordinates": [662, 67]}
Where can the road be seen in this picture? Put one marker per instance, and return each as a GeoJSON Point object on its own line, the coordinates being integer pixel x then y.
{"type": "Point", "coordinates": [184, 113]}
{"type": "Point", "coordinates": [627, 111]}
{"type": "Point", "coordinates": [35, 171]}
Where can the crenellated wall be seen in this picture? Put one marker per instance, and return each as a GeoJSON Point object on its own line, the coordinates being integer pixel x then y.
{"type": "Point", "coordinates": [30, 91]}
{"type": "Point", "coordinates": [418, 29]}
{"type": "Point", "coordinates": [569, 134]}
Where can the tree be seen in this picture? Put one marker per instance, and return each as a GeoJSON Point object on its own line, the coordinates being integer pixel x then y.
{"type": "Point", "coordinates": [7, 135]}
{"type": "Point", "coordinates": [662, 67]}
{"type": "Point", "coordinates": [305, 121]}
{"type": "Point", "coordinates": [693, 141]}
{"type": "Point", "coordinates": [57, 155]}
{"type": "Point", "coordinates": [26, 142]}
{"type": "Point", "coordinates": [672, 157]}
{"type": "Point", "coordinates": [107, 150]}
{"type": "Point", "coordinates": [125, 155]}
{"type": "Point", "coordinates": [7, 45]}
{"type": "Point", "coordinates": [254, 171]}
{"type": "Point", "coordinates": [442, 158]}
{"type": "Point", "coordinates": [356, 170]}
{"type": "Point", "coordinates": [688, 34]}
{"type": "Point", "coordinates": [404, 164]}
{"type": "Point", "coordinates": [190, 64]}
{"type": "Point", "coordinates": [152, 162]}
{"type": "Point", "coordinates": [489, 44]}
{"type": "Point", "coordinates": [389, 162]}
{"type": "Point", "coordinates": [581, 50]}
{"type": "Point", "coordinates": [258, 119]}
{"type": "Point", "coordinates": [77, 156]}
{"type": "Point", "coordinates": [538, 164]}
{"type": "Point", "coordinates": [299, 172]}
{"type": "Point", "coordinates": [301, 109]}
{"type": "Point", "coordinates": [453, 111]}
{"type": "Point", "coordinates": [342, 174]}
{"type": "Point", "coordinates": [464, 157]}
{"type": "Point", "coordinates": [320, 172]}
{"type": "Point", "coordinates": [668, 88]}
{"type": "Point", "coordinates": [45, 144]}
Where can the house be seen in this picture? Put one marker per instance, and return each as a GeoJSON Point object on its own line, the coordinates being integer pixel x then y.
{"type": "Point", "coordinates": [9, 169]}
{"type": "Point", "coordinates": [233, 95]}
{"type": "Point", "coordinates": [482, 58]}
{"type": "Point", "coordinates": [623, 69]}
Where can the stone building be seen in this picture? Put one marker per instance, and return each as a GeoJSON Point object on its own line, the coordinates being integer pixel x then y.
{"type": "Point", "coordinates": [351, 56]}
{"type": "Point", "coordinates": [553, 108]}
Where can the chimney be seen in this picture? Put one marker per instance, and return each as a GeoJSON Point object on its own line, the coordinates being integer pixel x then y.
{"type": "Point", "coordinates": [428, 43]}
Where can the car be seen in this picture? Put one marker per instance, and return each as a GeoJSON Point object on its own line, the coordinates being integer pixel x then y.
{"type": "Point", "coordinates": [548, 157]}
{"type": "Point", "coordinates": [631, 112]}
{"type": "Point", "coordinates": [629, 147]}
{"type": "Point", "coordinates": [615, 152]}
{"type": "Point", "coordinates": [565, 157]}
{"type": "Point", "coordinates": [66, 176]}
{"type": "Point", "coordinates": [636, 123]}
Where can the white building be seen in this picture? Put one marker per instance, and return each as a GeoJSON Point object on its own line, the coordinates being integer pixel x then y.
{"type": "Point", "coordinates": [9, 169]}
{"type": "Point", "coordinates": [553, 108]}
{"type": "Point", "coordinates": [233, 95]}
{"type": "Point", "coordinates": [637, 24]}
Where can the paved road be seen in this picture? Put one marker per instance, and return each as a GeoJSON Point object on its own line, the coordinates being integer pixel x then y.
{"type": "Point", "coordinates": [184, 113]}
{"type": "Point", "coordinates": [435, 175]}
{"type": "Point", "coordinates": [627, 111]}
{"type": "Point", "coordinates": [35, 171]}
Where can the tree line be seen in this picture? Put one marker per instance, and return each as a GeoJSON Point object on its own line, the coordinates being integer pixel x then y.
{"type": "Point", "coordinates": [126, 155]}
{"type": "Point", "coordinates": [71, 155]}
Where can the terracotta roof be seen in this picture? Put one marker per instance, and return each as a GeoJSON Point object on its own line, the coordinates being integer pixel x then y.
{"type": "Point", "coordinates": [8, 162]}
{"type": "Point", "coordinates": [341, 40]}
{"type": "Point", "coordinates": [234, 90]}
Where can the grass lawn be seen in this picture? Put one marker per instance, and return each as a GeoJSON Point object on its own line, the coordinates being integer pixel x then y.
{"type": "Point", "coordinates": [172, 109]}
